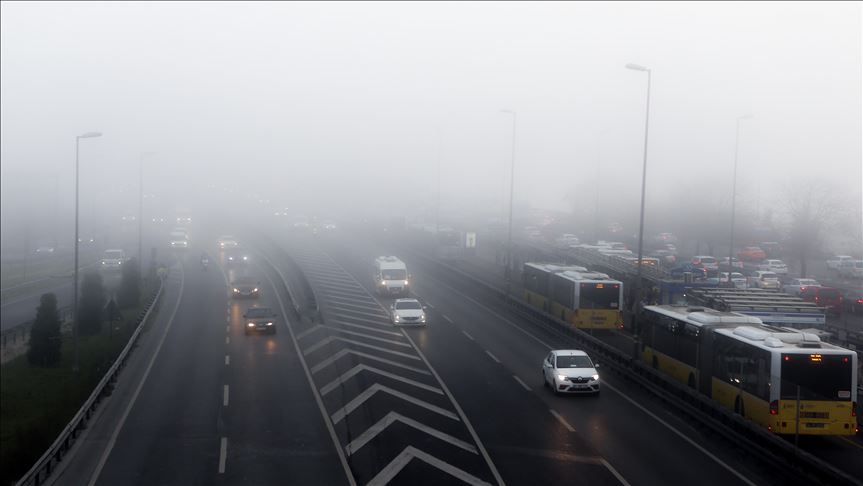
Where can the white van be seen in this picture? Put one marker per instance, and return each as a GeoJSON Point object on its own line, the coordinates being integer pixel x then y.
{"type": "Point", "coordinates": [112, 259]}
{"type": "Point", "coordinates": [391, 276]}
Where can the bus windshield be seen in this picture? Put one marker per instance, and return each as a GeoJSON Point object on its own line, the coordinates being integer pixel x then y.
{"type": "Point", "coordinates": [820, 377]}
{"type": "Point", "coordinates": [599, 296]}
{"type": "Point", "coordinates": [394, 274]}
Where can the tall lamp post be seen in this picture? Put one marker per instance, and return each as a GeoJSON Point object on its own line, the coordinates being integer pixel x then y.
{"type": "Point", "coordinates": [141, 212]}
{"type": "Point", "coordinates": [734, 196]}
{"type": "Point", "coordinates": [75, 283]}
{"type": "Point", "coordinates": [508, 269]}
{"type": "Point", "coordinates": [638, 283]}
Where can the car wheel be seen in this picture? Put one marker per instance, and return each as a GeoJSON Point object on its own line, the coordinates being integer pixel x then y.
{"type": "Point", "coordinates": [544, 381]}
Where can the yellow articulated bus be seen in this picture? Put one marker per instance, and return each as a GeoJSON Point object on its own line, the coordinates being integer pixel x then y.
{"type": "Point", "coordinates": [536, 279]}
{"type": "Point", "coordinates": [759, 371]}
{"type": "Point", "coordinates": [585, 299]}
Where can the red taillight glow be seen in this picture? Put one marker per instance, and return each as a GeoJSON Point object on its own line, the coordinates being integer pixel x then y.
{"type": "Point", "coordinates": [774, 407]}
{"type": "Point", "coordinates": [860, 301]}
{"type": "Point", "coordinates": [787, 358]}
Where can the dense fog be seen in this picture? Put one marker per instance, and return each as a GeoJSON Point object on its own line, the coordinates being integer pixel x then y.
{"type": "Point", "coordinates": [340, 108]}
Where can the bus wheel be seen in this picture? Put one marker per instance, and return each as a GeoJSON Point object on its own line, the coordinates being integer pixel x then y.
{"type": "Point", "coordinates": [655, 363]}
{"type": "Point", "coordinates": [738, 407]}
{"type": "Point", "coordinates": [691, 381]}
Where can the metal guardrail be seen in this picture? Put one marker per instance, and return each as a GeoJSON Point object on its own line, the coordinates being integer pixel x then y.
{"type": "Point", "coordinates": [309, 301]}
{"type": "Point", "coordinates": [772, 450]}
{"type": "Point", "coordinates": [43, 467]}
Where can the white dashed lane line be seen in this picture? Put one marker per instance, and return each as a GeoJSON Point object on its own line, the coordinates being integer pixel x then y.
{"type": "Point", "coordinates": [227, 339]}
{"type": "Point", "coordinates": [227, 360]}
{"type": "Point", "coordinates": [225, 393]}
{"type": "Point", "coordinates": [492, 356]}
{"type": "Point", "coordinates": [523, 384]}
{"type": "Point", "coordinates": [223, 455]}
{"type": "Point", "coordinates": [562, 420]}
{"type": "Point", "coordinates": [446, 318]}
{"type": "Point", "coordinates": [467, 335]}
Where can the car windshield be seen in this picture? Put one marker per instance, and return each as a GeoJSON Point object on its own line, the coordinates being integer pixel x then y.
{"type": "Point", "coordinates": [255, 312]}
{"type": "Point", "coordinates": [244, 281]}
{"type": "Point", "coordinates": [113, 254]}
{"type": "Point", "coordinates": [408, 304]}
{"type": "Point", "coordinates": [708, 260]}
{"type": "Point", "coordinates": [769, 276]}
{"type": "Point", "coordinates": [394, 274]}
{"type": "Point", "coordinates": [577, 361]}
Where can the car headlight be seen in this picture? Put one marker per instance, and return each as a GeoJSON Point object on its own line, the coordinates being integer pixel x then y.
{"type": "Point", "coordinates": [397, 318]}
{"type": "Point", "coordinates": [103, 263]}
{"type": "Point", "coordinates": [255, 290]}
{"type": "Point", "coordinates": [595, 377]}
{"type": "Point", "coordinates": [269, 323]}
{"type": "Point", "coordinates": [561, 377]}
{"type": "Point", "coordinates": [423, 317]}
{"type": "Point", "coordinates": [236, 290]}
{"type": "Point", "coordinates": [251, 324]}
{"type": "Point", "coordinates": [245, 258]}
{"type": "Point", "coordinates": [406, 282]}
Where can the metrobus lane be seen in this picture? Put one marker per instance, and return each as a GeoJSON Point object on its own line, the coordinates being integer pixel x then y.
{"type": "Point", "coordinates": [273, 431]}
{"type": "Point", "coordinates": [528, 441]}
{"type": "Point", "coordinates": [642, 440]}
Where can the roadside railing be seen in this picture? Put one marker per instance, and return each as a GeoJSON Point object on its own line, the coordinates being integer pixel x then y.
{"type": "Point", "coordinates": [43, 467]}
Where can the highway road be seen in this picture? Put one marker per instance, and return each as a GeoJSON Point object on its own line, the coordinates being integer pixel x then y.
{"type": "Point", "coordinates": [347, 398]}
{"type": "Point", "coordinates": [491, 364]}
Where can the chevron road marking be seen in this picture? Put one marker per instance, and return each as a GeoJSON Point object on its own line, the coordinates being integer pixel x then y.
{"type": "Point", "coordinates": [392, 417]}
{"type": "Point", "coordinates": [323, 364]}
{"type": "Point", "coordinates": [407, 455]}
{"type": "Point", "coordinates": [343, 412]}
{"type": "Point", "coordinates": [361, 367]}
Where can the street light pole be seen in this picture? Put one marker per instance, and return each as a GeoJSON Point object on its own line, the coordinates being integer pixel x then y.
{"type": "Point", "coordinates": [638, 283]}
{"type": "Point", "coordinates": [141, 213]}
{"type": "Point", "coordinates": [439, 162]}
{"type": "Point", "coordinates": [508, 270]}
{"type": "Point", "coordinates": [75, 283]}
{"type": "Point", "coordinates": [733, 197]}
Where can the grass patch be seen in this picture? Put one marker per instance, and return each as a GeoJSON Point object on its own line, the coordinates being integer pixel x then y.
{"type": "Point", "coordinates": [37, 403]}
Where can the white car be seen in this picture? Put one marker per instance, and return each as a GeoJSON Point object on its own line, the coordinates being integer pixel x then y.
{"type": "Point", "coordinates": [763, 279]}
{"type": "Point", "coordinates": [853, 269]}
{"type": "Point", "coordinates": [406, 312]}
{"type": "Point", "coordinates": [570, 371]}
{"type": "Point", "coordinates": [777, 266]}
{"type": "Point", "coordinates": [706, 261]}
{"type": "Point", "coordinates": [796, 285]}
{"type": "Point", "coordinates": [737, 278]}
{"type": "Point", "coordinates": [227, 241]}
{"type": "Point", "coordinates": [837, 261]}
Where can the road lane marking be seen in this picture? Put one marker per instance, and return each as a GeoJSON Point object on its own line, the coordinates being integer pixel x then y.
{"type": "Point", "coordinates": [361, 367]}
{"type": "Point", "coordinates": [346, 317]}
{"type": "Point", "coordinates": [330, 339]}
{"type": "Point", "coordinates": [367, 328]}
{"type": "Point", "coordinates": [852, 442]}
{"type": "Point", "coordinates": [492, 356]}
{"type": "Point", "coordinates": [225, 394]}
{"type": "Point", "coordinates": [227, 339]}
{"type": "Point", "coordinates": [228, 319]}
{"type": "Point", "coordinates": [614, 472]}
{"type": "Point", "coordinates": [223, 455]}
{"type": "Point", "coordinates": [521, 382]}
{"type": "Point", "coordinates": [336, 442]}
{"type": "Point", "coordinates": [369, 392]}
{"type": "Point", "coordinates": [615, 390]}
{"type": "Point", "coordinates": [308, 331]}
{"type": "Point", "coordinates": [392, 417]}
{"type": "Point", "coordinates": [227, 360]}
{"type": "Point", "coordinates": [116, 432]}
{"type": "Point", "coordinates": [467, 335]}
{"type": "Point", "coordinates": [409, 453]}
{"type": "Point", "coordinates": [446, 318]}
{"type": "Point", "coordinates": [562, 420]}
{"type": "Point", "coordinates": [323, 364]}
{"type": "Point", "coordinates": [374, 338]}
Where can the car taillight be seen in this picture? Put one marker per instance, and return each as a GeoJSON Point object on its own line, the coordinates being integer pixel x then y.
{"type": "Point", "coordinates": [774, 407]}
{"type": "Point", "coordinates": [860, 301]}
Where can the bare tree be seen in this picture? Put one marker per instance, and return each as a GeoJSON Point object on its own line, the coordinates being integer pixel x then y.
{"type": "Point", "coordinates": [810, 207]}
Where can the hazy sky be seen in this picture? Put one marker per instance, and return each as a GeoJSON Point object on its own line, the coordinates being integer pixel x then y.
{"type": "Point", "coordinates": [350, 99]}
